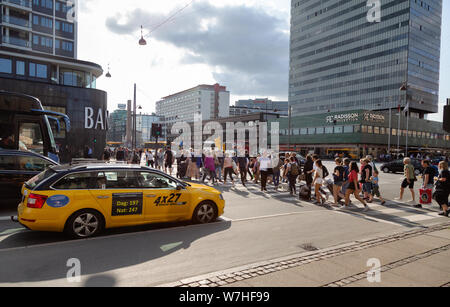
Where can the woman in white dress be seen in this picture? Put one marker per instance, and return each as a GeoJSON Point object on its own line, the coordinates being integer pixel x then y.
{"type": "Point", "coordinates": [318, 182]}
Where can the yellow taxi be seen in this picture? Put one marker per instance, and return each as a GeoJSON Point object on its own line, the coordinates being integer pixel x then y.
{"type": "Point", "coordinates": [83, 200]}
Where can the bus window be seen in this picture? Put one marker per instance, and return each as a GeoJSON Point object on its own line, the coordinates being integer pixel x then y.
{"type": "Point", "coordinates": [30, 138]}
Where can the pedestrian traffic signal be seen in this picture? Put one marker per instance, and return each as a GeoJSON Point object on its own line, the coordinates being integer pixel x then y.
{"type": "Point", "coordinates": [156, 130]}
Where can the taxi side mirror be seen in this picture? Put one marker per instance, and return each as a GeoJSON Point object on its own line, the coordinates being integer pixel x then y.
{"type": "Point", "coordinates": [179, 187]}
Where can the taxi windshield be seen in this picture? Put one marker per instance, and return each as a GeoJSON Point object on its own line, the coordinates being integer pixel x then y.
{"type": "Point", "coordinates": [36, 180]}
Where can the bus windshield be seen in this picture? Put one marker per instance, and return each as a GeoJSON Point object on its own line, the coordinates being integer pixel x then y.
{"type": "Point", "coordinates": [24, 125]}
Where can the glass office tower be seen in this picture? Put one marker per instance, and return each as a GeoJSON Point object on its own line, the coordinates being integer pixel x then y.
{"type": "Point", "coordinates": [341, 60]}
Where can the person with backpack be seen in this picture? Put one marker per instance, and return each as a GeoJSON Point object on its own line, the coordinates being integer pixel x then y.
{"type": "Point", "coordinates": [293, 171]}
{"type": "Point", "coordinates": [338, 181]}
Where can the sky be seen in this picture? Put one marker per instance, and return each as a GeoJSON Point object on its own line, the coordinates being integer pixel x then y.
{"type": "Point", "coordinates": [242, 44]}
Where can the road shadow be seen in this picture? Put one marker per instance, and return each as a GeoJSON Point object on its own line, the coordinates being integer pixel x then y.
{"type": "Point", "coordinates": [97, 256]}
{"type": "Point", "coordinates": [100, 281]}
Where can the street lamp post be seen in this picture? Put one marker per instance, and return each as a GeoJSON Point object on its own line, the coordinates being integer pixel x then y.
{"type": "Point", "coordinates": [289, 128]}
{"type": "Point", "coordinates": [403, 88]}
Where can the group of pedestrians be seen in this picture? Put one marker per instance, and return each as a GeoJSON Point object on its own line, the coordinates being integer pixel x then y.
{"type": "Point", "coordinates": [435, 180]}
{"type": "Point", "coordinates": [314, 180]}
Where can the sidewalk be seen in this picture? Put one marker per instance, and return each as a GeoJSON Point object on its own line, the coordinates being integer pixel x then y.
{"type": "Point", "coordinates": [418, 258]}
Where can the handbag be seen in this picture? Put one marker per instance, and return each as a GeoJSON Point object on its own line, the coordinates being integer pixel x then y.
{"type": "Point", "coordinates": [235, 168]}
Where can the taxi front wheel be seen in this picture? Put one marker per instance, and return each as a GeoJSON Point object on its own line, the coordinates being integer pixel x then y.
{"type": "Point", "coordinates": [84, 224]}
{"type": "Point", "coordinates": [205, 213]}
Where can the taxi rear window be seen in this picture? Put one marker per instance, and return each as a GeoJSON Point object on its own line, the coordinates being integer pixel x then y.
{"type": "Point", "coordinates": [36, 180]}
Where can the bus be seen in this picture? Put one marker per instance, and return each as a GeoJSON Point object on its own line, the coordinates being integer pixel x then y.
{"type": "Point", "coordinates": [352, 153]}
{"type": "Point", "coordinates": [24, 125]}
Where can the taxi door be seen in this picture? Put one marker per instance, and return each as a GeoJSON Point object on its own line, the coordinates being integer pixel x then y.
{"type": "Point", "coordinates": [119, 195]}
{"type": "Point", "coordinates": [163, 202]}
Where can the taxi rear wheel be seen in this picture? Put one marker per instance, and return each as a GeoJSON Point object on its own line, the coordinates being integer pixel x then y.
{"type": "Point", "coordinates": [84, 224]}
{"type": "Point", "coordinates": [205, 213]}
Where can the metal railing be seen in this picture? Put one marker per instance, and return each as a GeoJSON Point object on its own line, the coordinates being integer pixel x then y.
{"type": "Point", "coordinates": [16, 21]}
{"type": "Point", "coordinates": [24, 3]}
{"type": "Point", "coordinates": [16, 41]}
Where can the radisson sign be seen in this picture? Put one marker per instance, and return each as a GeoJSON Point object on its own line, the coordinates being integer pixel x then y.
{"type": "Point", "coordinates": [354, 117]}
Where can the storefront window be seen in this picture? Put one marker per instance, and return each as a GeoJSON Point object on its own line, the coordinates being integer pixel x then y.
{"type": "Point", "coordinates": [338, 129]}
{"type": "Point", "coordinates": [311, 131]}
{"type": "Point", "coordinates": [376, 130]}
{"type": "Point", "coordinates": [364, 129]}
{"type": "Point", "coordinates": [382, 131]}
{"type": "Point", "coordinates": [320, 130]}
{"type": "Point", "coordinates": [357, 129]}
{"type": "Point", "coordinates": [348, 129]}
{"type": "Point", "coordinates": [369, 129]}
{"type": "Point", "coordinates": [394, 132]}
{"type": "Point", "coordinates": [329, 130]}
{"type": "Point", "coordinates": [303, 131]}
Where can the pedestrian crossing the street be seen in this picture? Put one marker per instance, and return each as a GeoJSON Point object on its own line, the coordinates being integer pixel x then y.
{"type": "Point", "coordinates": [393, 213]}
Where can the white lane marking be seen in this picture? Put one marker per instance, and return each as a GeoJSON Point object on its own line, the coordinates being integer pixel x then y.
{"type": "Point", "coordinates": [275, 215]}
{"type": "Point", "coordinates": [369, 218]}
{"type": "Point", "coordinates": [419, 217]}
{"type": "Point", "coordinates": [388, 211]}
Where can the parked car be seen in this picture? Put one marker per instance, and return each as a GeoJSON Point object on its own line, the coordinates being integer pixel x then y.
{"type": "Point", "coordinates": [300, 158]}
{"type": "Point", "coordinates": [397, 166]}
{"type": "Point", "coordinates": [16, 168]}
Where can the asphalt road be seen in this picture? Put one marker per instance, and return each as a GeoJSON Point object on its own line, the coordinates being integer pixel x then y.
{"type": "Point", "coordinates": [256, 227]}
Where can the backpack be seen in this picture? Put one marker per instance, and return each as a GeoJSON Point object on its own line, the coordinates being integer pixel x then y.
{"type": "Point", "coordinates": [294, 169]}
{"type": "Point", "coordinates": [305, 193]}
{"type": "Point", "coordinates": [325, 172]}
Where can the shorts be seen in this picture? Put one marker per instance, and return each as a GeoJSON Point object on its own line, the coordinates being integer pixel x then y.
{"type": "Point", "coordinates": [441, 198]}
{"type": "Point", "coordinates": [367, 187]}
{"type": "Point", "coordinates": [168, 164]}
{"type": "Point", "coordinates": [405, 184]}
{"type": "Point", "coordinates": [351, 186]}
{"type": "Point", "coordinates": [376, 191]}
{"type": "Point", "coordinates": [345, 187]}
{"type": "Point", "coordinates": [339, 183]}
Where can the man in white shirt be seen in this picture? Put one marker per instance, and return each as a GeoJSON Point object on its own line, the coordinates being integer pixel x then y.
{"type": "Point", "coordinates": [265, 163]}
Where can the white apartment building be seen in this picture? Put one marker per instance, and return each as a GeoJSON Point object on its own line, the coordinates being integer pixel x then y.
{"type": "Point", "coordinates": [212, 101]}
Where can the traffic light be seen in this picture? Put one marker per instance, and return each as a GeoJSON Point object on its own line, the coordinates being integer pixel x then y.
{"type": "Point", "coordinates": [156, 130]}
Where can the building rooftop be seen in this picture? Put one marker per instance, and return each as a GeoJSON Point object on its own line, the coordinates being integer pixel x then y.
{"type": "Point", "coordinates": [199, 87]}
